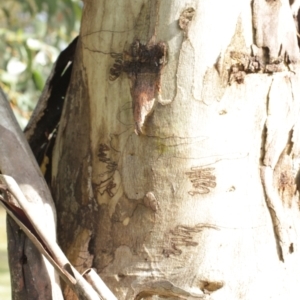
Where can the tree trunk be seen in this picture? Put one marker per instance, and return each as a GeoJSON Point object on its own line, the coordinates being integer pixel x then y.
{"type": "Point", "coordinates": [175, 165]}
{"type": "Point", "coordinates": [32, 277]}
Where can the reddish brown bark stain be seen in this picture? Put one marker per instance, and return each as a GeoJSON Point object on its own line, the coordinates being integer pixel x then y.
{"type": "Point", "coordinates": [143, 65]}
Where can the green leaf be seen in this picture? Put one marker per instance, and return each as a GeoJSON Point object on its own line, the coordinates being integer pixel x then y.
{"type": "Point", "coordinates": [38, 80]}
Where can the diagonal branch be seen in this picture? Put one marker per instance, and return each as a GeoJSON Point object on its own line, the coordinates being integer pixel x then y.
{"type": "Point", "coordinates": [48, 247]}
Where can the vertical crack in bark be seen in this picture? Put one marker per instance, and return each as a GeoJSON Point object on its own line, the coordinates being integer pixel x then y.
{"type": "Point", "coordinates": [265, 131]}
{"type": "Point", "coordinates": [275, 145]}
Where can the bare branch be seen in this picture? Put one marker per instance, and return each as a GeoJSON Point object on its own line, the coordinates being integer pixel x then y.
{"type": "Point", "coordinates": [25, 218]}
{"type": "Point", "coordinates": [99, 286]}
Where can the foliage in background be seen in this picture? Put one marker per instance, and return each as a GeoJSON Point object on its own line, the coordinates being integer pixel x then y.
{"type": "Point", "coordinates": [32, 34]}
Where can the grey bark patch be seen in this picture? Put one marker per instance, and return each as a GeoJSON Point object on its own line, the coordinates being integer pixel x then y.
{"type": "Point", "coordinates": [275, 29]}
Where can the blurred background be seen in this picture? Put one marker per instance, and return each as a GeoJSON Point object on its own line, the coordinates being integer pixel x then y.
{"type": "Point", "coordinates": [32, 34]}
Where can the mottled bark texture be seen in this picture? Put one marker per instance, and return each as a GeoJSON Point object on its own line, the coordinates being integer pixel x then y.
{"type": "Point", "coordinates": [175, 171]}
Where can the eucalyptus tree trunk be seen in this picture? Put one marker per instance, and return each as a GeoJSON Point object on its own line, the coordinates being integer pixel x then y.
{"type": "Point", "coordinates": [176, 160]}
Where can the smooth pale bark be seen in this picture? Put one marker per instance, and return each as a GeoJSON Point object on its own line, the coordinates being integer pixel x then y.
{"type": "Point", "coordinates": [202, 203]}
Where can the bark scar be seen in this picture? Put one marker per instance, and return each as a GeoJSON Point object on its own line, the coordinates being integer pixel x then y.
{"type": "Point", "coordinates": [143, 65]}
